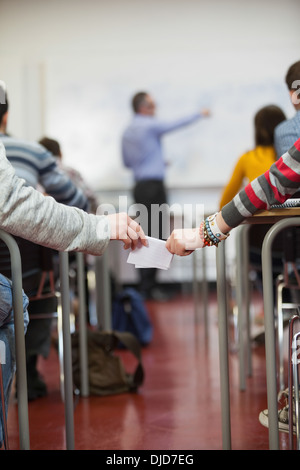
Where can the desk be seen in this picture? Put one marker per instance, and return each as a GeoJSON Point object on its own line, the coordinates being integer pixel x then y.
{"type": "Point", "coordinates": [281, 218]}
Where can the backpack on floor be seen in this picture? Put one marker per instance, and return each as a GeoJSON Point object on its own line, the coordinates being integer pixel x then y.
{"type": "Point", "coordinates": [106, 372]}
{"type": "Point", "coordinates": [129, 313]}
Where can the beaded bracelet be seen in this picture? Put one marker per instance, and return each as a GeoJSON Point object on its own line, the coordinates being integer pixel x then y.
{"type": "Point", "coordinates": [207, 241]}
{"type": "Point", "coordinates": [210, 232]}
{"type": "Point", "coordinates": [216, 232]}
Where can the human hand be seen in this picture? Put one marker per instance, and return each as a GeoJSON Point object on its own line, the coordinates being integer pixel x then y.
{"type": "Point", "coordinates": [183, 242]}
{"type": "Point", "coordinates": [125, 229]}
{"type": "Point", "coordinates": [205, 112]}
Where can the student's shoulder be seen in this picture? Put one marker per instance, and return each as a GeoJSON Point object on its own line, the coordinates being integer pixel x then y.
{"type": "Point", "coordinates": [15, 144]}
{"type": "Point", "coordinates": [284, 125]}
{"type": "Point", "coordinates": [246, 155]}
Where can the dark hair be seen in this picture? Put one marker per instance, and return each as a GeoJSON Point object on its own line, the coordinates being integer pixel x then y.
{"type": "Point", "coordinates": [138, 100]}
{"type": "Point", "coordinates": [51, 145]}
{"type": "Point", "coordinates": [292, 75]}
{"type": "Point", "coordinates": [265, 121]}
{"type": "Point", "coordinates": [3, 106]}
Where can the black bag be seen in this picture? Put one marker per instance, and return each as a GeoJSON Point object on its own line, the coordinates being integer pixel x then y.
{"type": "Point", "coordinates": [107, 375]}
{"type": "Point", "coordinates": [129, 313]}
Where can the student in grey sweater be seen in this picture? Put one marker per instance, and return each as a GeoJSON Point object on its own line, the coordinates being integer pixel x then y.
{"type": "Point", "coordinates": [29, 214]}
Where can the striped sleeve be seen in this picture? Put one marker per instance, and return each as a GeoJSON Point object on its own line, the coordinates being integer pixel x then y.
{"type": "Point", "coordinates": [36, 165]}
{"type": "Point", "coordinates": [275, 186]}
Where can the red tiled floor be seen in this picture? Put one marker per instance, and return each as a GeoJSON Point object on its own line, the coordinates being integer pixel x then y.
{"type": "Point", "coordinates": [178, 406]}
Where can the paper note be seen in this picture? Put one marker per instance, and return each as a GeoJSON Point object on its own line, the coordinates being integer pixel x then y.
{"type": "Point", "coordinates": [155, 255]}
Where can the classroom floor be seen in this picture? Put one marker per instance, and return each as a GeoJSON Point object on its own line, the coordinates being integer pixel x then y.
{"type": "Point", "coordinates": [178, 406]}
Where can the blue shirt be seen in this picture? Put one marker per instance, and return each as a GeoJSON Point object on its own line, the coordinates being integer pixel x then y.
{"type": "Point", "coordinates": [141, 145]}
{"type": "Point", "coordinates": [286, 134]}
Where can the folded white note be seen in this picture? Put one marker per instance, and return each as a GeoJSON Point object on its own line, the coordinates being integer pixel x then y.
{"type": "Point", "coordinates": [155, 255]}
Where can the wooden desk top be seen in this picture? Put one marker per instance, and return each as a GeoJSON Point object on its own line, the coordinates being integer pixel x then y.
{"type": "Point", "coordinates": [273, 215]}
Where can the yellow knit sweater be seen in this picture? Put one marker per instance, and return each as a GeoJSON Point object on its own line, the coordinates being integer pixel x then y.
{"type": "Point", "coordinates": [248, 167]}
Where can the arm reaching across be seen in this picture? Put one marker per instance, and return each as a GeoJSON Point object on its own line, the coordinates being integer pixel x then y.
{"type": "Point", "coordinates": [275, 186]}
{"type": "Point", "coordinates": [27, 213]}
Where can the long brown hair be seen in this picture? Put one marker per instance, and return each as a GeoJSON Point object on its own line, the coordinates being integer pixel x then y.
{"type": "Point", "coordinates": [265, 121]}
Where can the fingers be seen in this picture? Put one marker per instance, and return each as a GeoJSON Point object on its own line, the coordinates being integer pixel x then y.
{"type": "Point", "coordinates": [177, 246]}
{"type": "Point", "coordinates": [134, 235]}
{"type": "Point", "coordinates": [136, 231]}
{"type": "Point", "coordinates": [184, 242]}
{"type": "Point", "coordinates": [125, 229]}
{"type": "Point", "coordinates": [181, 242]}
{"type": "Point", "coordinates": [132, 239]}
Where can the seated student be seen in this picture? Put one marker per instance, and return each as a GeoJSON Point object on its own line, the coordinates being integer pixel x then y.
{"type": "Point", "coordinates": [39, 169]}
{"type": "Point", "coordinates": [7, 340]}
{"type": "Point", "coordinates": [258, 160]}
{"type": "Point", "coordinates": [26, 212]}
{"type": "Point", "coordinates": [287, 132]}
{"type": "Point", "coordinates": [54, 147]}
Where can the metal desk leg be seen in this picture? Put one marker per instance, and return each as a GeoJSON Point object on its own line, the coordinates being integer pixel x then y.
{"type": "Point", "coordinates": [16, 271]}
{"type": "Point", "coordinates": [196, 285]}
{"type": "Point", "coordinates": [293, 320]}
{"type": "Point", "coordinates": [204, 289]}
{"type": "Point", "coordinates": [205, 292]}
{"type": "Point", "coordinates": [242, 293]}
{"type": "Point", "coordinates": [223, 345]}
{"type": "Point", "coordinates": [103, 292]}
{"type": "Point", "coordinates": [240, 304]}
{"type": "Point", "coordinates": [296, 385]}
{"type": "Point", "coordinates": [245, 248]}
{"type": "Point", "coordinates": [270, 326]}
{"type": "Point", "coordinates": [67, 349]}
{"type": "Point", "coordinates": [83, 347]}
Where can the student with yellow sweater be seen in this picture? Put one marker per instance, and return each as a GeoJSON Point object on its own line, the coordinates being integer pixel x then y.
{"type": "Point", "coordinates": [258, 160]}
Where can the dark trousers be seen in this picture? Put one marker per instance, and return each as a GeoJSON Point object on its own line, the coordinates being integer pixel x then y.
{"type": "Point", "coordinates": [149, 193]}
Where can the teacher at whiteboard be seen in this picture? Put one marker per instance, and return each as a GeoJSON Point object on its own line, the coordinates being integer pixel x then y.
{"type": "Point", "coordinates": [142, 153]}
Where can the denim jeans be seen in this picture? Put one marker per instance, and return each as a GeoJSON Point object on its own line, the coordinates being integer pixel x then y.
{"type": "Point", "coordinates": [7, 340]}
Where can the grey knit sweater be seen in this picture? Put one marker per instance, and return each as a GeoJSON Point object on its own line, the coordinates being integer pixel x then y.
{"type": "Point", "coordinates": [27, 213]}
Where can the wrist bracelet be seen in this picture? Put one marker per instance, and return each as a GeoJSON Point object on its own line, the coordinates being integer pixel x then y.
{"type": "Point", "coordinates": [206, 237]}
{"type": "Point", "coordinates": [210, 233]}
{"type": "Point", "coordinates": [213, 226]}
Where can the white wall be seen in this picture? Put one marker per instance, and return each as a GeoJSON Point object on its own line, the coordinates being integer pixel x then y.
{"type": "Point", "coordinates": [72, 66]}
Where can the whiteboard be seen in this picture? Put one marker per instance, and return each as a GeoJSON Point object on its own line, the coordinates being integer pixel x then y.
{"type": "Point", "coordinates": [88, 107]}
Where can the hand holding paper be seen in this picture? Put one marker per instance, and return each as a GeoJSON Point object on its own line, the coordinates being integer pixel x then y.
{"type": "Point", "coordinates": [155, 255]}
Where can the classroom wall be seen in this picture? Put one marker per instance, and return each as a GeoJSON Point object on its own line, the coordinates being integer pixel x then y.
{"type": "Point", "coordinates": [71, 68]}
